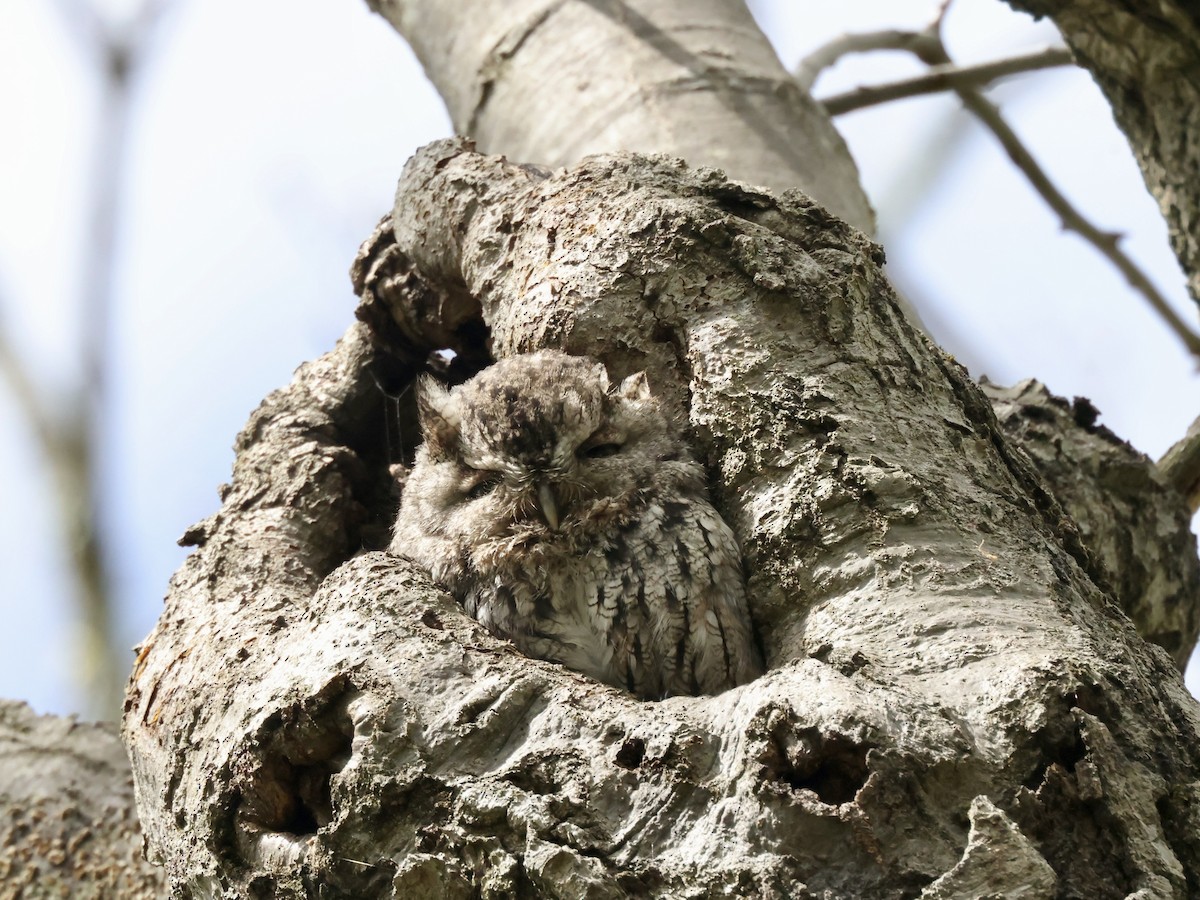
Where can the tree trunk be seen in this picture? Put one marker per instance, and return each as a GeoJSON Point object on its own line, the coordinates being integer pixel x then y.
{"type": "Point", "coordinates": [955, 705]}
{"type": "Point", "coordinates": [950, 696]}
{"type": "Point", "coordinates": [549, 82]}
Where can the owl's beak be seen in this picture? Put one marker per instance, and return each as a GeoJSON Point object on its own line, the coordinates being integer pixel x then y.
{"type": "Point", "coordinates": [548, 504]}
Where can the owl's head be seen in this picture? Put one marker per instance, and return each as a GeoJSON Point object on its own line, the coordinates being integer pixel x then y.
{"type": "Point", "coordinates": [542, 440]}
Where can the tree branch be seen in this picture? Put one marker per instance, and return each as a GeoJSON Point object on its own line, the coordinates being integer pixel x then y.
{"type": "Point", "coordinates": [946, 78]}
{"type": "Point", "coordinates": [629, 72]}
{"type": "Point", "coordinates": [363, 717]}
{"type": "Point", "coordinates": [810, 68]}
{"type": "Point", "coordinates": [67, 452]}
{"type": "Point", "coordinates": [929, 47]}
{"type": "Point", "coordinates": [1144, 57]}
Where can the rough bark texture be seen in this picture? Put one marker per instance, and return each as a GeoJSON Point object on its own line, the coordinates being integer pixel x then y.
{"type": "Point", "coordinates": [68, 826]}
{"type": "Point", "coordinates": [1129, 513]}
{"type": "Point", "coordinates": [1146, 59]}
{"type": "Point", "coordinates": [548, 81]}
{"type": "Point", "coordinates": [953, 706]}
{"type": "Point", "coordinates": [1180, 466]}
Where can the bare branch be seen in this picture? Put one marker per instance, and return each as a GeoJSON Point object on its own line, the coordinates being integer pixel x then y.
{"type": "Point", "coordinates": [66, 446]}
{"type": "Point", "coordinates": [812, 66]}
{"type": "Point", "coordinates": [935, 27]}
{"type": "Point", "coordinates": [1107, 243]}
{"type": "Point", "coordinates": [927, 46]}
{"type": "Point", "coordinates": [947, 78]}
{"type": "Point", "coordinates": [20, 382]}
{"type": "Point", "coordinates": [809, 69]}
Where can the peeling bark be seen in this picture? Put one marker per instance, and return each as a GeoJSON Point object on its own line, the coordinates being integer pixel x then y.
{"type": "Point", "coordinates": [952, 701]}
{"type": "Point", "coordinates": [68, 826]}
{"type": "Point", "coordinates": [1146, 59]}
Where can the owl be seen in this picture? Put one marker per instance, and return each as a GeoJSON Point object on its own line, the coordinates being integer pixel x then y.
{"type": "Point", "coordinates": [567, 515]}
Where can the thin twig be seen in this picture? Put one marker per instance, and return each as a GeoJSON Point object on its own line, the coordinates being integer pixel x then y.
{"type": "Point", "coordinates": [1107, 243]}
{"type": "Point", "coordinates": [67, 452]}
{"type": "Point", "coordinates": [946, 78]}
{"type": "Point", "coordinates": [120, 59]}
{"type": "Point", "coordinates": [809, 69]}
{"type": "Point", "coordinates": [929, 47]}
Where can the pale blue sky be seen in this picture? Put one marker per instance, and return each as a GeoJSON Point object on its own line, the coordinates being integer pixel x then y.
{"type": "Point", "coordinates": [267, 143]}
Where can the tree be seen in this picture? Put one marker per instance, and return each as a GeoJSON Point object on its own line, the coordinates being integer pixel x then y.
{"type": "Point", "coordinates": [955, 705]}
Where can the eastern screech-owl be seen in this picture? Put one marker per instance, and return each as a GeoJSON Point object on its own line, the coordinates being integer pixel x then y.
{"type": "Point", "coordinates": [569, 517]}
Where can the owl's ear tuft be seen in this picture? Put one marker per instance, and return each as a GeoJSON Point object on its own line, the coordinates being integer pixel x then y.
{"type": "Point", "coordinates": [635, 387]}
{"type": "Point", "coordinates": [437, 415]}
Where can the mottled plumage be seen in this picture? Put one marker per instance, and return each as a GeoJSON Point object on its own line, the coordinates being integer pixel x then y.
{"type": "Point", "coordinates": [569, 517]}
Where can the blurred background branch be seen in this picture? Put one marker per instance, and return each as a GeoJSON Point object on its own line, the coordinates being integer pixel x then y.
{"type": "Point", "coordinates": [69, 428]}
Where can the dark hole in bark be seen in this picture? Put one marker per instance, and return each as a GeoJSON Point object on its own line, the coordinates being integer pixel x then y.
{"type": "Point", "coordinates": [262, 888]}
{"type": "Point", "coordinates": [846, 664]}
{"type": "Point", "coordinates": [289, 791]}
{"type": "Point", "coordinates": [665, 334]}
{"type": "Point", "coordinates": [631, 753]}
{"type": "Point", "coordinates": [838, 775]}
{"type": "Point", "coordinates": [1062, 746]}
{"type": "Point", "coordinates": [413, 322]}
{"type": "Point", "coordinates": [301, 797]}
{"type": "Point", "coordinates": [833, 767]}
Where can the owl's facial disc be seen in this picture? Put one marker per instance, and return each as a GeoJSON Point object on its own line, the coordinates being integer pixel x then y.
{"type": "Point", "coordinates": [543, 438]}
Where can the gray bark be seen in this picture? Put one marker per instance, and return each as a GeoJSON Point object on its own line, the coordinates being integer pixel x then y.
{"type": "Point", "coordinates": [68, 826]}
{"type": "Point", "coordinates": [549, 82]}
{"type": "Point", "coordinates": [952, 702]}
{"type": "Point", "coordinates": [1130, 514]}
{"type": "Point", "coordinates": [1180, 466]}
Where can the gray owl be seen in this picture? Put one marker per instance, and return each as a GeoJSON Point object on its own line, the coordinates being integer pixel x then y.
{"type": "Point", "coordinates": [569, 517]}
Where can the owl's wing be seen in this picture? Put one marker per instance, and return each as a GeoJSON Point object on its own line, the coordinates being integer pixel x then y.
{"type": "Point", "coordinates": [683, 626]}
{"type": "Point", "coordinates": [725, 653]}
